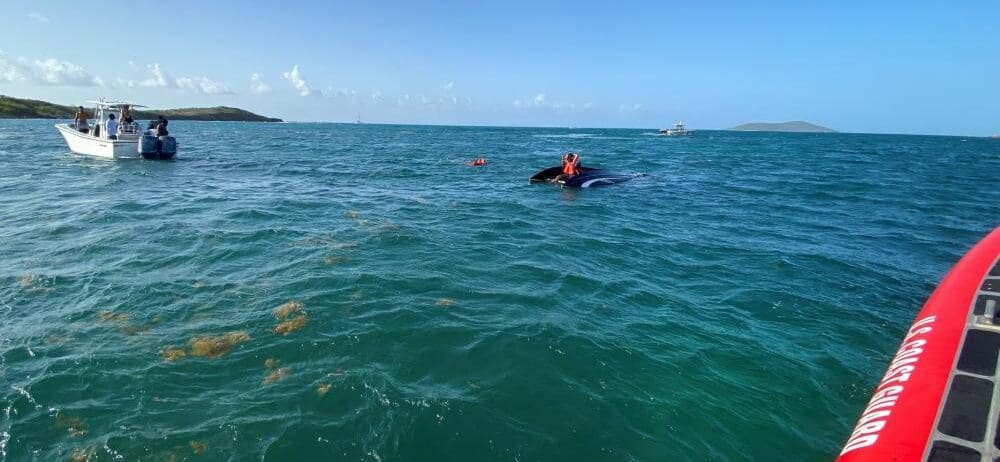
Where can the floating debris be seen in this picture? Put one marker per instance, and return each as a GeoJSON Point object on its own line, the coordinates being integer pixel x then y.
{"type": "Point", "coordinates": [276, 375]}
{"type": "Point", "coordinates": [111, 316]}
{"type": "Point", "coordinates": [445, 302]}
{"type": "Point", "coordinates": [73, 425]}
{"type": "Point", "coordinates": [215, 346]}
{"type": "Point", "coordinates": [172, 354]}
{"type": "Point", "coordinates": [291, 325]}
{"type": "Point", "coordinates": [356, 295]}
{"type": "Point", "coordinates": [198, 447]}
{"type": "Point", "coordinates": [323, 388]}
{"type": "Point", "coordinates": [198, 284]}
{"type": "Point", "coordinates": [270, 363]}
{"type": "Point", "coordinates": [28, 280]}
{"type": "Point", "coordinates": [287, 309]}
{"type": "Point", "coordinates": [352, 214]}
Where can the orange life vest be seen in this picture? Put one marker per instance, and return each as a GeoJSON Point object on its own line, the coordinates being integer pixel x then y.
{"type": "Point", "coordinates": [570, 167]}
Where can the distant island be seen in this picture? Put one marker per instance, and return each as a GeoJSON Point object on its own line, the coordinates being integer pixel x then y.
{"type": "Point", "coordinates": [17, 108]}
{"type": "Point", "coordinates": [793, 126]}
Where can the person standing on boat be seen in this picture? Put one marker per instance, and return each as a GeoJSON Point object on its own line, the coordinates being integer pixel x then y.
{"type": "Point", "coordinates": [126, 115]}
{"type": "Point", "coordinates": [112, 127]}
{"type": "Point", "coordinates": [81, 120]}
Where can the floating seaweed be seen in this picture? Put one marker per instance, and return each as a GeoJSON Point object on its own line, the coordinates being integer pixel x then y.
{"type": "Point", "coordinates": [83, 454]}
{"type": "Point", "coordinates": [445, 302]}
{"type": "Point", "coordinates": [276, 375]}
{"type": "Point", "coordinates": [111, 316]}
{"type": "Point", "coordinates": [323, 388]}
{"type": "Point", "coordinates": [172, 354]}
{"type": "Point", "coordinates": [198, 447]}
{"type": "Point", "coordinates": [287, 309]}
{"type": "Point", "coordinates": [291, 325]}
{"type": "Point", "coordinates": [75, 426]}
{"type": "Point", "coordinates": [215, 346]}
{"type": "Point", "coordinates": [55, 339]}
{"type": "Point", "coordinates": [352, 214]}
{"type": "Point", "coordinates": [331, 260]}
{"type": "Point", "coordinates": [133, 329]}
{"type": "Point", "coordinates": [270, 363]}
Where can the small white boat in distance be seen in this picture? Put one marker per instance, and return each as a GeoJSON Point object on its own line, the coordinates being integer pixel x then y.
{"type": "Point", "coordinates": [678, 130]}
{"type": "Point", "coordinates": [128, 142]}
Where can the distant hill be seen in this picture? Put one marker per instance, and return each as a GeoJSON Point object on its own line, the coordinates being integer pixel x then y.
{"type": "Point", "coordinates": [17, 108]}
{"type": "Point", "coordinates": [794, 126]}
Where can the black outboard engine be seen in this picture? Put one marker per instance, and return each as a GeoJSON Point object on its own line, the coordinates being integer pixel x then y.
{"type": "Point", "coordinates": [157, 147]}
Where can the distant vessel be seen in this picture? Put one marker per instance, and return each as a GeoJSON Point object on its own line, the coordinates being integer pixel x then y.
{"type": "Point", "coordinates": [128, 142]}
{"type": "Point", "coordinates": [677, 130]}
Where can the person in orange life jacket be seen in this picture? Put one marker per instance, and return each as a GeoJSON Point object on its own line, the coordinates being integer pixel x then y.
{"type": "Point", "coordinates": [570, 166]}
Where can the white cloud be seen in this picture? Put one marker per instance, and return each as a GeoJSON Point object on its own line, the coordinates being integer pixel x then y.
{"type": "Point", "coordinates": [159, 78]}
{"type": "Point", "coordinates": [12, 71]}
{"type": "Point", "coordinates": [257, 86]}
{"type": "Point", "coordinates": [55, 72]}
{"type": "Point", "coordinates": [294, 77]}
{"type": "Point", "coordinates": [38, 17]}
{"type": "Point", "coordinates": [46, 72]}
{"type": "Point", "coordinates": [449, 85]}
{"type": "Point", "coordinates": [540, 99]}
{"type": "Point", "coordinates": [204, 85]}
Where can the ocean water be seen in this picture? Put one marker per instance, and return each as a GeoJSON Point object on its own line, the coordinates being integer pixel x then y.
{"type": "Point", "coordinates": [357, 292]}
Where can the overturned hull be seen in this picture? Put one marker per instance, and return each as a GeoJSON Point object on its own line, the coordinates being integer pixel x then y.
{"type": "Point", "coordinates": [587, 178]}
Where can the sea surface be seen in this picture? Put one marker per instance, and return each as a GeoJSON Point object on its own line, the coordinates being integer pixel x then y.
{"type": "Point", "coordinates": [287, 292]}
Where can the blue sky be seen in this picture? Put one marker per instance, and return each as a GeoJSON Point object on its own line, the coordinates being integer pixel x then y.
{"type": "Point", "coordinates": [895, 67]}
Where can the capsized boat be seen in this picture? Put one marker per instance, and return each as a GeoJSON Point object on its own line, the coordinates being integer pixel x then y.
{"type": "Point", "coordinates": [587, 178]}
{"type": "Point", "coordinates": [939, 400]}
{"type": "Point", "coordinates": [128, 142]}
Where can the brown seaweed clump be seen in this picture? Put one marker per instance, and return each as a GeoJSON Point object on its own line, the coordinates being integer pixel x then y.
{"type": "Point", "coordinates": [215, 346]}
{"type": "Point", "coordinates": [287, 309]}
{"type": "Point", "coordinates": [291, 325]}
{"type": "Point", "coordinates": [111, 316]}
{"type": "Point", "coordinates": [83, 454]}
{"type": "Point", "coordinates": [198, 447]}
{"type": "Point", "coordinates": [276, 375]}
{"type": "Point", "coordinates": [323, 388]}
{"type": "Point", "coordinates": [73, 425]}
{"type": "Point", "coordinates": [172, 354]}
{"type": "Point", "coordinates": [445, 302]}
{"type": "Point", "coordinates": [331, 260]}
{"type": "Point", "coordinates": [270, 363]}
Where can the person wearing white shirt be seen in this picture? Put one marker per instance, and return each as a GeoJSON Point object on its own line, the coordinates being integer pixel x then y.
{"type": "Point", "coordinates": [112, 127]}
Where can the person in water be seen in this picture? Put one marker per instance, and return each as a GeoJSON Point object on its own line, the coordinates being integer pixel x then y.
{"type": "Point", "coordinates": [80, 120]}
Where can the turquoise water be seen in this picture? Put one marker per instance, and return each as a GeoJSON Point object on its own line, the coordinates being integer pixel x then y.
{"type": "Point", "coordinates": [737, 303]}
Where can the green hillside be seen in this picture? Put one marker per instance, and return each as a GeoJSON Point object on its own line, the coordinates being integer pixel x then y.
{"type": "Point", "coordinates": [17, 108]}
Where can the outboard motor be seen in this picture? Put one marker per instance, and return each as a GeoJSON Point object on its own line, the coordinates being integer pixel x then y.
{"type": "Point", "coordinates": [157, 148]}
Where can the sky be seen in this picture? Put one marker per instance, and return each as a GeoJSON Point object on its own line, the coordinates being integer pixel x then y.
{"type": "Point", "coordinates": [878, 67]}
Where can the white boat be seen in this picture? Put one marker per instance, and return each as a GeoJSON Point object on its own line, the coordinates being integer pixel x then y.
{"type": "Point", "coordinates": [128, 142]}
{"type": "Point", "coordinates": [678, 130]}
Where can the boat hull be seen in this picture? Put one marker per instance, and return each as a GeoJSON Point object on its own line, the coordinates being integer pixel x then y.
{"type": "Point", "coordinates": [934, 401]}
{"type": "Point", "coordinates": [82, 143]}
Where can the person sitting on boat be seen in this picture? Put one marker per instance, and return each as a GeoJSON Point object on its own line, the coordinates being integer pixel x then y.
{"type": "Point", "coordinates": [161, 127]}
{"type": "Point", "coordinates": [571, 164]}
{"type": "Point", "coordinates": [112, 126]}
{"type": "Point", "coordinates": [80, 120]}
